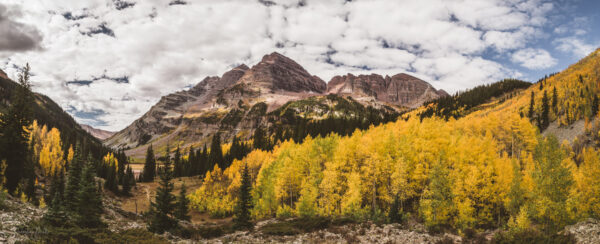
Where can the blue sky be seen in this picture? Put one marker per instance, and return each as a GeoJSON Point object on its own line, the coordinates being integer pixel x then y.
{"type": "Point", "coordinates": [106, 62]}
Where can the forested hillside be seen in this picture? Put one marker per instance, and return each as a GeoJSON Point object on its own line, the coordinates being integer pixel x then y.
{"type": "Point", "coordinates": [487, 169]}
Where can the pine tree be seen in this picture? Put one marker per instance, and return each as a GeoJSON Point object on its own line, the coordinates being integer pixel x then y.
{"type": "Point", "coordinates": [14, 137]}
{"type": "Point", "coordinates": [163, 205]}
{"type": "Point", "coordinates": [183, 205]}
{"type": "Point", "coordinates": [57, 187]}
{"type": "Point", "coordinates": [545, 119]}
{"type": "Point", "coordinates": [395, 215]}
{"type": "Point", "coordinates": [595, 106]}
{"type": "Point", "coordinates": [73, 179]}
{"type": "Point", "coordinates": [438, 206]}
{"type": "Point", "coordinates": [111, 183]}
{"type": "Point", "coordinates": [56, 215]}
{"type": "Point", "coordinates": [89, 200]}
{"type": "Point", "coordinates": [244, 203]}
{"type": "Point", "coordinates": [216, 154]}
{"type": "Point", "coordinates": [554, 100]}
{"type": "Point", "coordinates": [128, 181]}
{"type": "Point", "coordinates": [149, 166]}
{"type": "Point", "coordinates": [531, 106]}
{"type": "Point", "coordinates": [177, 164]}
{"type": "Point", "coordinates": [29, 175]}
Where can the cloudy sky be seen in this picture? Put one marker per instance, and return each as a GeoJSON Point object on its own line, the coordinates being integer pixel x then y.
{"type": "Point", "coordinates": [108, 61]}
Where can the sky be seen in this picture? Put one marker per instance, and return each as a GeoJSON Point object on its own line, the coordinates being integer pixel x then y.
{"type": "Point", "coordinates": [106, 62]}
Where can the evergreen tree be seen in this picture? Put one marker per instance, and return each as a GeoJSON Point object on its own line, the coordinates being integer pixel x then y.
{"type": "Point", "coordinates": [111, 183]}
{"type": "Point", "coordinates": [259, 139]}
{"type": "Point", "coordinates": [13, 133]}
{"type": "Point", "coordinates": [595, 106]}
{"type": "Point", "coordinates": [177, 164]}
{"type": "Point", "coordinates": [56, 215]}
{"type": "Point", "coordinates": [149, 170]}
{"type": "Point", "coordinates": [73, 179]}
{"type": "Point", "coordinates": [181, 211]}
{"type": "Point", "coordinates": [30, 177]}
{"type": "Point", "coordinates": [216, 154]}
{"type": "Point", "coordinates": [57, 187]}
{"type": "Point", "coordinates": [395, 215]}
{"type": "Point", "coordinates": [554, 100]}
{"type": "Point", "coordinates": [242, 218]}
{"type": "Point", "coordinates": [163, 205]}
{"type": "Point", "coordinates": [545, 117]}
{"type": "Point", "coordinates": [128, 181]}
{"type": "Point", "coordinates": [89, 200]}
{"type": "Point", "coordinates": [531, 106]}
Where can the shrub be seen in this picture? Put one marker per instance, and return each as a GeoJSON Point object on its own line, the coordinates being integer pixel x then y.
{"type": "Point", "coordinates": [531, 236]}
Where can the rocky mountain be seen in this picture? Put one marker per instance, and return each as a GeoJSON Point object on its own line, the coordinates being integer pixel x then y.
{"type": "Point", "coordinates": [98, 133]}
{"type": "Point", "coordinates": [47, 112]}
{"type": "Point", "coordinates": [400, 89]}
{"type": "Point", "coordinates": [246, 98]}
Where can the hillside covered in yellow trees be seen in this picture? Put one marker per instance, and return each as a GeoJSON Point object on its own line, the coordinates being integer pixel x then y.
{"type": "Point", "coordinates": [489, 168]}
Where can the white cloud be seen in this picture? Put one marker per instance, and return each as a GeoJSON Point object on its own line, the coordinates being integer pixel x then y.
{"type": "Point", "coordinates": [162, 48]}
{"type": "Point", "coordinates": [574, 46]}
{"type": "Point", "coordinates": [533, 58]}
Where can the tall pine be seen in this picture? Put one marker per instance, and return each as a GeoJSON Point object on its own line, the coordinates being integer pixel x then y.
{"type": "Point", "coordinates": [531, 106]}
{"type": "Point", "coordinates": [14, 149]}
{"type": "Point", "coordinates": [216, 154]}
{"type": "Point", "coordinates": [545, 117]}
{"type": "Point", "coordinates": [163, 205]}
{"type": "Point", "coordinates": [242, 218]}
{"type": "Point", "coordinates": [183, 205]}
{"type": "Point", "coordinates": [149, 166]}
{"type": "Point", "coordinates": [73, 179]}
{"type": "Point", "coordinates": [89, 200]}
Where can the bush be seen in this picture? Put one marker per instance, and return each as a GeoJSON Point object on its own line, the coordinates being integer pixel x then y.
{"type": "Point", "coordinates": [129, 236]}
{"type": "Point", "coordinates": [302, 225]}
{"type": "Point", "coordinates": [208, 232]}
{"type": "Point", "coordinates": [531, 236]}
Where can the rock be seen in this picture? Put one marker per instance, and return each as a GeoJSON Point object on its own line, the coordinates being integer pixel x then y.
{"type": "Point", "coordinates": [400, 89]}
{"type": "Point", "coordinates": [585, 232]}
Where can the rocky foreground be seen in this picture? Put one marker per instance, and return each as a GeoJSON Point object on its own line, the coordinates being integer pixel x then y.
{"type": "Point", "coordinates": [14, 213]}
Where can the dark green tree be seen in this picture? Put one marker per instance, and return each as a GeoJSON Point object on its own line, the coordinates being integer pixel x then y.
{"type": "Point", "coordinates": [545, 117]}
{"type": "Point", "coordinates": [183, 205]}
{"type": "Point", "coordinates": [128, 181]}
{"type": "Point", "coordinates": [163, 205]}
{"type": "Point", "coordinates": [216, 154]}
{"type": "Point", "coordinates": [177, 163]}
{"type": "Point", "coordinates": [531, 106]}
{"type": "Point", "coordinates": [89, 200]}
{"type": "Point", "coordinates": [57, 187]}
{"type": "Point", "coordinates": [73, 179]}
{"type": "Point", "coordinates": [242, 219]}
{"type": "Point", "coordinates": [554, 100]}
{"type": "Point", "coordinates": [149, 170]}
{"type": "Point", "coordinates": [111, 183]}
{"type": "Point", "coordinates": [14, 149]}
{"type": "Point", "coordinates": [595, 106]}
{"type": "Point", "coordinates": [395, 214]}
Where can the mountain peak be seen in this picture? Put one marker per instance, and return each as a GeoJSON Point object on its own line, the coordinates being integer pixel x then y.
{"type": "Point", "coordinates": [276, 72]}
{"type": "Point", "coordinates": [402, 89]}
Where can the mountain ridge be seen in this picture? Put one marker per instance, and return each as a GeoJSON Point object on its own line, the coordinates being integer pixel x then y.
{"type": "Point", "coordinates": [207, 108]}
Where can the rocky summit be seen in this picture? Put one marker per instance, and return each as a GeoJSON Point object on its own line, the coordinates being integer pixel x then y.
{"type": "Point", "coordinates": [400, 89]}
{"type": "Point", "coordinates": [243, 98]}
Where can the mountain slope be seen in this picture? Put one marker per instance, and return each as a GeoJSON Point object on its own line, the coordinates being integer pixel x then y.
{"type": "Point", "coordinates": [47, 112]}
{"type": "Point", "coordinates": [98, 133]}
{"type": "Point", "coordinates": [244, 99]}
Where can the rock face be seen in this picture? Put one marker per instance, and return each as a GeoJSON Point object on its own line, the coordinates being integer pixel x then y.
{"type": "Point", "coordinates": [400, 89]}
{"type": "Point", "coordinates": [98, 133]}
{"type": "Point", "coordinates": [585, 232]}
{"type": "Point", "coordinates": [3, 75]}
{"type": "Point", "coordinates": [243, 98]}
